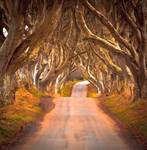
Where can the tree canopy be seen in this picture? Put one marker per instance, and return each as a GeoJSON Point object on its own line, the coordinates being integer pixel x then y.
{"type": "Point", "coordinates": [43, 41]}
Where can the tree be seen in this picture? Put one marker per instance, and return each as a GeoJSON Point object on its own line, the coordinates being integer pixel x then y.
{"type": "Point", "coordinates": [129, 47]}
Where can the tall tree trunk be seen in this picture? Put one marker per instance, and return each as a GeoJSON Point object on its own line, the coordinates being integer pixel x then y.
{"type": "Point", "coordinates": [144, 89]}
{"type": "Point", "coordinates": [140, 89]}
{"type": "Point", "coordinates": [7, 90]}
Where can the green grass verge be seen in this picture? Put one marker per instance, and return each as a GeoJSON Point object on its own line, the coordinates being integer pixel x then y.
{"type": "Point", "coordinates": [14, 117]}
{"type": "Point", "coordinates": [132, 114]}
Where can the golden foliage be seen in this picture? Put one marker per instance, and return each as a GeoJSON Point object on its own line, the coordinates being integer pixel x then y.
{"type": "Point", "coordinates": [67, 88]}
{"type": "Point", "coordinates": [92, 91]}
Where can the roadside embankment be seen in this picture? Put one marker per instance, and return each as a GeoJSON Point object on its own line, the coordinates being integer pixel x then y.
{"type": "Point", "coordinates": [131, 114]}
{"type": "Point", "coordinates": [29, 105]}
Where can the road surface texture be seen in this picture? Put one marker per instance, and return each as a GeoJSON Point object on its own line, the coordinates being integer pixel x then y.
{"type": "Point", "coordinates": [77, 123]}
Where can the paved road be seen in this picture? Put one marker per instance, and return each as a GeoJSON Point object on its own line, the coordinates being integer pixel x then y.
{"type": "Point", "coordinates": [76, 123]}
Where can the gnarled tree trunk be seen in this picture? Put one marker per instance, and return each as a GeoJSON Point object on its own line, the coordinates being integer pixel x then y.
{"type": "Point", "coordinates": [8, 88]}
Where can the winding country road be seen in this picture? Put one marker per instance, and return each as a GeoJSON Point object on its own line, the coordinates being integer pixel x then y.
{"type": "Point", "coordinates": [76, 123]}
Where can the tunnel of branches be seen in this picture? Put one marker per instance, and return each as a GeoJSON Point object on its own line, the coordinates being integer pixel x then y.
{"type": "Point", "coordinates": [42, 42]}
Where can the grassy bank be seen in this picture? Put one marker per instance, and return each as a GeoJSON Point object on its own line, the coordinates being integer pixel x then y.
{"type": "Point", "coordinates": [14, 117]}
{"type": "Point", "coordinates": [132, 114]}
{"type": "Point", "coordinates": [67, 88]}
